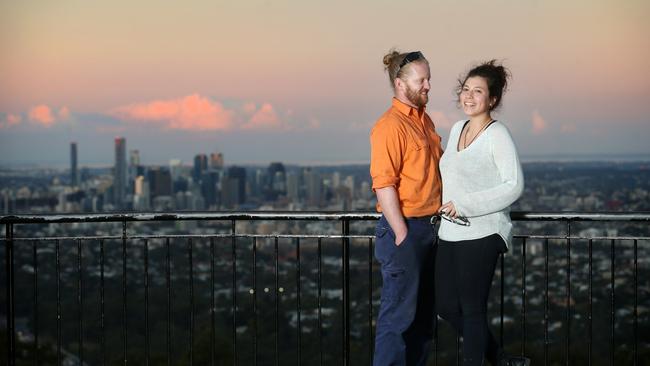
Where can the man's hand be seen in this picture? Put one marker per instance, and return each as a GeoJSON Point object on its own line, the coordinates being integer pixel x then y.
{"type": "Point", "coordinates": [389, 203]}
{"type": "Point", "coordinates": [399, 238]}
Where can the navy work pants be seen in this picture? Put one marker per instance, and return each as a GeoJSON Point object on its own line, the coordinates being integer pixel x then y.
{"type": "Point", "coordinates": [406, 313]}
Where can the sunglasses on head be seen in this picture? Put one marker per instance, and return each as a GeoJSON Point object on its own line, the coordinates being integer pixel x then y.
{"type": "Point", "coordinates": [410, 57]}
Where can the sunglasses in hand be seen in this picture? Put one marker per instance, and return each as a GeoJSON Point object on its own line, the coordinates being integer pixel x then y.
{"type": "Point", "coordinates": [458, 220]}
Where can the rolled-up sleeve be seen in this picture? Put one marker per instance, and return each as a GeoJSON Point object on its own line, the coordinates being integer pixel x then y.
{"type": "Point", "coordinates": [386, 155]}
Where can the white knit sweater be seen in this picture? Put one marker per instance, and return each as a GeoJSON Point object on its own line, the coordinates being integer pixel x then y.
{"type": "Point", "coordinates": [482, 181]}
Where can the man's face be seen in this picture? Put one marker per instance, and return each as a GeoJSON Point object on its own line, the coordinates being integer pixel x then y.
{"type": "Point", "coordinates": [416, 84]}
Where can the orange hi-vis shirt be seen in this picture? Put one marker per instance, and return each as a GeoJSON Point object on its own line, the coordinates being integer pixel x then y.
{"type": "Point", "coordinates": [404, 153]}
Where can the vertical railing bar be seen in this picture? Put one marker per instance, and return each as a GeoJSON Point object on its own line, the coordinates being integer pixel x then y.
{"type": "Point", "coordinates": [502, 300]}
{"type": "Point", "coordinates": [254, 293]}
{"type": "Point", "coordinates": [212, 305]}
{"type": "Point", "coordinates": [370, 313]}
{"type": "Point", "coordinates": [58, 303]}
{"type": "Point", "coordinates": [124, 294]}
{"type": "Point", "coordinates": [102, 314]}
{"type": "Point", "coordinates": [233, 232]}
{"type": "Point", "coordinates": [435, 341]}
{"type": "Point", "coordinates": [546, 307]}
{"type": "Point", "coordinates": [523, 297]}
{"type": "Point", "coordinates": [168, 284]}
{"type": "Point", "coordinates": [458, 350]}
{"type": "Point", "coordinates": [435, 324]}
{"type": "Point", "coordinates": [320, 303]}
{"type": "Point", "coordinates": [11, 325]}
{"type": "Point", "coordinates": [277, 303]}
{"type": "Point", "coordinates": [147, 346]}
{"type": "Point", "coordinates": [613, 284]}
{"type": "Point", "coordinates": [80, 302]}
{"type": "Point", "coordinates": [35, 256]}
{"type": "Point", "coordinates": [636, 300]}
{"type": "Point", "coordinates": [568, 293]}
{"type": "Point", "coordinates": [346, 291]}
{"type": "Point", "coordinates": [298, 298]}
{"type": "Point", "coordinates": [591, 309]}
{"type": "Point", "coordinates": [191, 293]}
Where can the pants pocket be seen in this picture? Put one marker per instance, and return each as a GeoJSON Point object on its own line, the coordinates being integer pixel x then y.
{"type": "Point", "coordinates": [393, 284]}
{"type": "Point", "coordinates": [385, 243]}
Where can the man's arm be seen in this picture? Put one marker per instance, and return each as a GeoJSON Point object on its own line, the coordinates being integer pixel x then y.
{"type": "Point", "coordinates": [389, 203]}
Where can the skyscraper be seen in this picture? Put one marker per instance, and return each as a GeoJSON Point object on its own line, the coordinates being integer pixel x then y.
{"type": "Point", "coordinates": [119, 174]}
{"type": "Point", "coordinates": [200, 165]}
{"type": "Point", "coordinates": [276, 183]}
{"type": "Point", "coordinates": [216, 160]}
{"type": "Point", "coordinates": [237, 189]}
{"type": "Point", "coordinates": [74, 174]}
{"type": "Point", "coordinates": [160, 182]}
{"type": "Point", "coordinates": [314, 185]}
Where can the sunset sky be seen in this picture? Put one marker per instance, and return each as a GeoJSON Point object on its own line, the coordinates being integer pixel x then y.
{"type": "Point", "coordinates": [303, 81]}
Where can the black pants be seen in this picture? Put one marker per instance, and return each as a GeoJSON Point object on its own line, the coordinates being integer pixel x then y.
{"type": "Point", "coordinates": [464, 271]}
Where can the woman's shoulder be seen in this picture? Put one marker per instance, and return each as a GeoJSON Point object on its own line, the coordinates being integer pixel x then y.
{"type": "Point", "coordinates": [499, 129]}
{"type": "Point", "coordinates": [458, 125]}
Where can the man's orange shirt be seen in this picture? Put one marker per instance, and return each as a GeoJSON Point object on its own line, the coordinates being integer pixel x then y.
{"type": "Point", "coordinates": [404, 153]}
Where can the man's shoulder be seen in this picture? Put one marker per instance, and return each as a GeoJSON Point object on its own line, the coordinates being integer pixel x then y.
{"type": "Point", "coordinates": [391, 119]}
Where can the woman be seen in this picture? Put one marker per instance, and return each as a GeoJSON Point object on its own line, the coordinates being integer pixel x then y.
{"type": "Point", "coordinates": [481, 178]}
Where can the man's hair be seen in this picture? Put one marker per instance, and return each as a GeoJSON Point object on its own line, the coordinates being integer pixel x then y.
{"type": "Point", "coordinates": [395, 65]}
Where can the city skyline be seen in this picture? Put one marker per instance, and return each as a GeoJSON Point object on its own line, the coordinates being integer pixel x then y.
{"type": "Point", "coordinates": [275, 81]}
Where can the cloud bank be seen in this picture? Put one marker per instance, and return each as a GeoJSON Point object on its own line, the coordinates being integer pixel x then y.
{"type": "Point", "coordinates": [539, 124]}
{"type": "Point", "coordinates": [198, 113]}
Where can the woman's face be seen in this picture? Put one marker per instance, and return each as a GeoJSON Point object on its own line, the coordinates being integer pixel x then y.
{"type": "Point", "coordinates": [475, 97]}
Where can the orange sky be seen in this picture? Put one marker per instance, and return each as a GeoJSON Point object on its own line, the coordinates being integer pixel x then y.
{"type": "Point", "coordinates": [220, 75]}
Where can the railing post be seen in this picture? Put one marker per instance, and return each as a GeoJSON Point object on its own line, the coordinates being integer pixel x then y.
{"type": "Point", "coordinates": [124, 296]}
{"type": "Point", "coordinates": [233, 232]}
{"type": "Point", "coordinates": [11, 328]}
{"type": "Point", "coordinates": [346, 291]}
{"type": "Point", "coordinates": [636, 302]}
{"type": "Point", "coordinates": [568, 293]}
{"type": "Point", "coordinates": [613, 301]}
{"type": "Point", "coordinates": [523, 297]}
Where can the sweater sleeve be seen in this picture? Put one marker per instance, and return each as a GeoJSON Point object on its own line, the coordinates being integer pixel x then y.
{"type": "Point", "coordinates": [511, 185]}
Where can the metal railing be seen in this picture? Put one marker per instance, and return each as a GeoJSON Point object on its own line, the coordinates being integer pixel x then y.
{"type": "Point", "coordinates": [249, 301]}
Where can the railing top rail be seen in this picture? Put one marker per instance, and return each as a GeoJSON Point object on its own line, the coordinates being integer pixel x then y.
{"type": "Point", "coordinates": [296, 215]}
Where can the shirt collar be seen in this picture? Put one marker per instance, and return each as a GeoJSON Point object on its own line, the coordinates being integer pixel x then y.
{"type": "Point", "coordinates": [407, 109]}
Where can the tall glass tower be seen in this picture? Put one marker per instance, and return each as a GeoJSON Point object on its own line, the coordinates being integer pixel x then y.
{"type": "Point", "coordinates": [119, 174]}
{"type": "Point", "coordinates": [74, 174]}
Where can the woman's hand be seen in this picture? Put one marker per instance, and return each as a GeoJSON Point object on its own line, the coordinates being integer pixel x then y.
{"type": "Point", "coordinates": [448, 209]}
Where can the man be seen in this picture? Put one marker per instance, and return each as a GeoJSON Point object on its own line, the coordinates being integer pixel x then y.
{"type": "Point", "coordinates": [405, 150]}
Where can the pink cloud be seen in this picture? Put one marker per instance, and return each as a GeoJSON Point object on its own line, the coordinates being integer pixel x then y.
{"type": "Point", "coordinates": [539, 124]}
{"type": "Point", "coordinates": [356, 126]}
{"type": "Point", "coordinates": [249, 108]}
{"type": "Point", "coordinates": [193, 112]}
{"type": "Point", "coordinates": [42, 114]}
{"type": "Point", "coordinates": [314, 123]}
{"type": "Point", "coordinates": [569, 127]}
{"type": "Point", "coordinates": [11, 120]}
{"type": "Point", "coordinates": [64, 113]}
{"type": "Point", "coordinates": [265, 118]}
